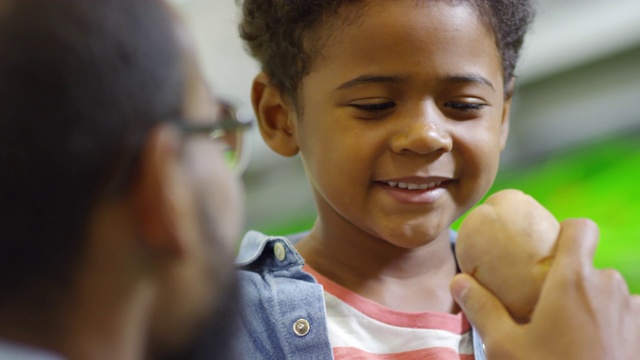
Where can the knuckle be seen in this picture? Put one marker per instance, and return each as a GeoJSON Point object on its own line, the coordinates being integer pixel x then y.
{"type": "Point", "coordinates": [635, 301]}
{"type": "Point", "coordinates": [474, 303]}
{"type": "Point", "coordinates": [572, 277]}
{"type": "Point", "coordinates": [616, 280]}
{"type": "Point", "coordinates": [502, 345]}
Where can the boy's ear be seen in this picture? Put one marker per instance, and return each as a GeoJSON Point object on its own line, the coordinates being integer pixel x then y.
{"type": "Point", "coordinates": [506, 111]}
{"type": "Point", "coordinates": [275, 116]}
{"type": "Point", "coordinates": [157, 198]}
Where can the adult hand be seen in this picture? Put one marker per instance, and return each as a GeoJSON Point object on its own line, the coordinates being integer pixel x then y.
{"type": "Point", "coordinates": [582, 313]}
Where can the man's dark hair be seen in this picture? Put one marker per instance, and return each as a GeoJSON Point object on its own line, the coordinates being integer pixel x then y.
{"type": "Point", "coordinates": [82, 82]}
{"type": "Point", "coordinates": [285, 35]}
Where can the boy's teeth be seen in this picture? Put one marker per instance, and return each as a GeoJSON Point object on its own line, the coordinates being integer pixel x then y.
{"type": "Point", "coordinates": [409, 186]}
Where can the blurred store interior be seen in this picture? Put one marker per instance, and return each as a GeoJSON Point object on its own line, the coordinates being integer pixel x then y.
{"type": "Point", "coordinates": [575, 127]}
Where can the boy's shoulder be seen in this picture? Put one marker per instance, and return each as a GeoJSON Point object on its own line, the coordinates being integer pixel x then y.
{"type": "Point", "coordinates": [276, 251]}
{"type": "Point", "coordinates": [256, 247]}
{"type": "Point", "coordinates": [271, 274]}
{"type": "Point", "coordinates": [283, 305]}
{"type": "Point", "coordinates": [271, 263]}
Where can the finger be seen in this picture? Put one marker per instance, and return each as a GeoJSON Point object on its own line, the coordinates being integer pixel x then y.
{"type": "Point", "coordinates": [481, 307]}
{"type": "Point", "coordinates": [576, 244]}
{"type": "Point", "coordinates": [635, 303]}
{"type": "Point", "coordinates": [616, 280]}
{"type": "Point", "coordinates": [573, 262]}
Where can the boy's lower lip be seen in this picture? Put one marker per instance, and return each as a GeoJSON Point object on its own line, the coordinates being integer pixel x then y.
{"type": "Point", "coordinates": [417, 196]}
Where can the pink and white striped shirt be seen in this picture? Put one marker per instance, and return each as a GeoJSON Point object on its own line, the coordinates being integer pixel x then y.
{"type": "Point", "coordinates": [360, 329]}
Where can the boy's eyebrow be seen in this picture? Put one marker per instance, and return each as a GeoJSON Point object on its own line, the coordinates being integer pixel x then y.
{"type": "Point", "coordinates": [368, 79]}
{"type": "Point", "coordinates": [395, 79]}
{"type": "Point", "coordinates": [472, 78]}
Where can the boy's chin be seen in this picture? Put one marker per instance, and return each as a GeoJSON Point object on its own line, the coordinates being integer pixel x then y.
{"type": "Point", "coordinates": [416, 238]}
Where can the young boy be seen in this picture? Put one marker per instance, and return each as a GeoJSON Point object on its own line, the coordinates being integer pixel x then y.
{"type": "Point", "coordinates": [399, 110]}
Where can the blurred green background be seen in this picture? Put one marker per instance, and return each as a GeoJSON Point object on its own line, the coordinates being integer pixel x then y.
{"type": "Point", "coordinates": [600, 181]}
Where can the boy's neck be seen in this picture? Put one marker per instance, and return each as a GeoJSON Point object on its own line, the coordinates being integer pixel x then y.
{"type": "Point", "coordinates": [402, 279]}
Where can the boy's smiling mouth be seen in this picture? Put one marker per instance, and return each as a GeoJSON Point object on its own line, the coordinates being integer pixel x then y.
{"type": "Point", "coordinates": [415, 189]}
{"type": "Point", "coordinates": [415, 182]}
{"type": "Point", "coordinates": [412, 186]}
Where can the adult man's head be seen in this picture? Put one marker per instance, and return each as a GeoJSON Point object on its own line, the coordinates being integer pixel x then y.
{"type": "Point", "coordinates": [116, 223]}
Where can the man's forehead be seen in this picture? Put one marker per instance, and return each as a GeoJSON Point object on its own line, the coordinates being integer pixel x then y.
{"type": "Point", "coordinates": [201, 101]}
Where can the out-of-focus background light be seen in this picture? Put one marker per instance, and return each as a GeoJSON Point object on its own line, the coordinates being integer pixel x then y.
{"type": "Point", "coordinates": [575, 125]}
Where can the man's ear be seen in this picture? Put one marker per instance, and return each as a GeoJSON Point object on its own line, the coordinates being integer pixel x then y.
{"type": "Point", "coordinates": [276, 117]}
{"type": "Point", "coordinates": [506, 111]}
{"type": "Point", "coordinates": [157, 197]}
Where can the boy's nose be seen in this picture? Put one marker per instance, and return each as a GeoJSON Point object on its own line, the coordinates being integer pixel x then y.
{"type": "Point", "coordinates": [422, 137]}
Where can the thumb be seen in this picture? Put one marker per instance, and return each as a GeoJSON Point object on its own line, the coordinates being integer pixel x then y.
{"type": "Point", "coordinates": [481, 307]}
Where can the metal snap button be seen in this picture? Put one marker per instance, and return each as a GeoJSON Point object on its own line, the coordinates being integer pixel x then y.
{"type": "Point", "coordinates": [301, 327]}
{"type": "Point", "coordinates": [278, 250]}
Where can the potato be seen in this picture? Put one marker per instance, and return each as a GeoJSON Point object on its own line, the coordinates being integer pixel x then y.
{"type": "Point", "coordinates": [507, 244]}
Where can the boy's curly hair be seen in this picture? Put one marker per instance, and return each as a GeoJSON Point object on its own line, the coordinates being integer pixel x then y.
{"type": "Point", "coordinates": [284, 36]}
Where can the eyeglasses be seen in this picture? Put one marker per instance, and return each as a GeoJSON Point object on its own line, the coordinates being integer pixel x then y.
{"type": "Point", "coordinates": [229, 128]}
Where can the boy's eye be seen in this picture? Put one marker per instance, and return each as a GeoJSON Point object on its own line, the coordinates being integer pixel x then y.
{"type": "Point", "coordinates": [464, 110]}
{"type": "Point", "coordinates": [464, 106]}
{"type": "Point", "coordinates": [373, 107]}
